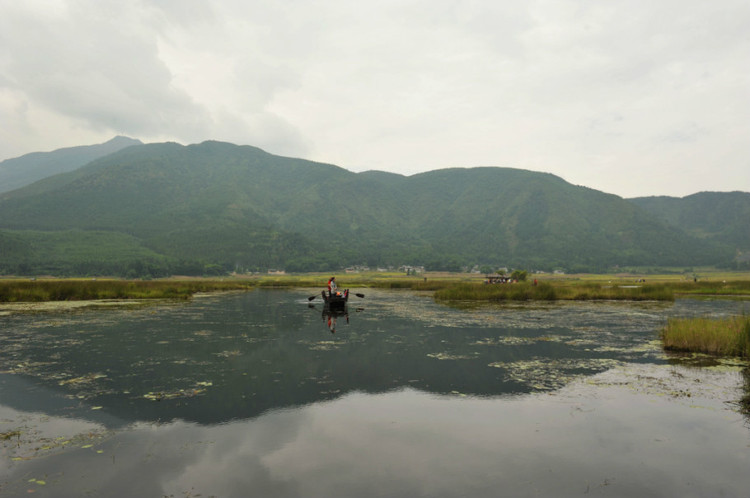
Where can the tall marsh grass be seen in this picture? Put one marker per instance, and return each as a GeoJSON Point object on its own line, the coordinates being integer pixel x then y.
{"type": "Point", "coordinates": [81, 290]}
{"type": "Point", "coordinates": [412, 284]}
{"type": "Point", "coordinates": [545, 291]}
{"type": "Point", "coordinates": [725, 337]}
{"type": "Point", "coordinates": [714, 287]}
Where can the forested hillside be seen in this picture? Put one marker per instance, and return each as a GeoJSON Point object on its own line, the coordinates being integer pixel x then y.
{"type": "Point", "coordinates": [218, 207]}
{"type": "Point", "coordinates": [720, 216]}
{"type": "Point", "coordinates": [24, 170]}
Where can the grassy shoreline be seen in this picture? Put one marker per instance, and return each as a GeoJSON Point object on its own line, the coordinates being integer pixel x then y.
{"type": "Point", "coordinates": [544, 291]}
{"type": "Point", "coordinates": [445, 287]}
{"type": "Point", "coordinates": [16, 291]}
{"type": "Point", "coordinates": [722, 337]}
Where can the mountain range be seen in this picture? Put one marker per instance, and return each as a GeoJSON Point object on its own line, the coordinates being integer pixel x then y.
{"type": "Point", "coordinates": [721, 216]}
{"type": "Point", "coordinates": [20, 171]}
{"type": "Point", "coordinates": [165, 208]}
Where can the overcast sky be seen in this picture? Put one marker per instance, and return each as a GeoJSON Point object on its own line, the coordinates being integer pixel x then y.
{"type": "Point", "coordinates": [632, 97]}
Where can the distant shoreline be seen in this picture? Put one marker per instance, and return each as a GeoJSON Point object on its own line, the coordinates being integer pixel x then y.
{"type": "Point", "coordinates": [445, 287]}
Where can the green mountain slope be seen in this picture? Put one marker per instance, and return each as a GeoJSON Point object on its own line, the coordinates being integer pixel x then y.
{"type": "Point", "coordinates": [18, 172]}
{"type": "Point", "coordinates": [76, 252]}
{"type": "Point", "coordinates": [539, 220]}
{"type": "Point", "coordinates": [240, 207]}
{"type": "Point", "coordinates": [720, 216]}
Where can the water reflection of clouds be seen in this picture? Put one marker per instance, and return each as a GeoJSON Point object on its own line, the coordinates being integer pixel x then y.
{"type": "Point", "coordinates": [412, 444]}
{"type": "Point", "coordinates": [633, 430]}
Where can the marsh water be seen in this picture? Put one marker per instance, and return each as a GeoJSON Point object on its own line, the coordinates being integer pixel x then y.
{"type": "Point", "coordinates": [262, 394]}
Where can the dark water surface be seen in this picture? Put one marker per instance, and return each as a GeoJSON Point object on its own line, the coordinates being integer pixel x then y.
{"type": "Point", "coordinates": [251, 394]}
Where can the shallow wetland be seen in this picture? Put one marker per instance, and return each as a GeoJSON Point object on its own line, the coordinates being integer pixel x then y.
{"type": "Point", "coordinates": [259, 394]}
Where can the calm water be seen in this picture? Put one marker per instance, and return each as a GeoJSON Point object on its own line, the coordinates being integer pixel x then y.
{"type": "Point", "coordinates": [257, 394]}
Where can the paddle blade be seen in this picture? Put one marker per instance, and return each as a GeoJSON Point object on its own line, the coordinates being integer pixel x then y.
{"type": "Point", "coordinates": [359, 295]}
{"type": "Point", "coordinates": [312, 297]}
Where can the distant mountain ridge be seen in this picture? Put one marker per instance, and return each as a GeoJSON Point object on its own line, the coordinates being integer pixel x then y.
{"type": "Point", "coordinates": [24, 170]}
{"type": "Point", "coordinates": [222, 207]}
{"type": "Point", "coordinates": [721, 216]}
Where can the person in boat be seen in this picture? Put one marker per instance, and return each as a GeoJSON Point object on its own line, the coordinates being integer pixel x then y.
{"type": "Point", "coordinates": [332, 286]}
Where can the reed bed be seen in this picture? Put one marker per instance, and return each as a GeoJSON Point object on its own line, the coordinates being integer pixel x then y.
{"type": "Point", "coordinates": [714, 288]}
{"type": "Point", "coordinates": [546, 291]}
{"type": "Point", "coordinates": [458, 288]}
{"type": "Point", "coordinates": [375, 281]}
{"type": "Point", "coordinates": [292, 281]}
{"type": "Point", "coordinates": [82, 290]}
{"type": "Point", "coordinates": [724, 337]}
{"type": "Point", "coordinates": [414, 284]}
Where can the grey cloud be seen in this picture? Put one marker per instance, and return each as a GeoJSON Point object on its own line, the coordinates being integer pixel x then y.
{"type": "Point", "coordinates": [100, 64]}
{"type": "Point", "coordinates": [85, 65]}
{"type": "Point", "coordinates": [398, 85]}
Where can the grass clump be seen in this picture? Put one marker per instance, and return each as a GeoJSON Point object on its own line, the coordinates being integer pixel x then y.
{"type": "Point", "coordinates": [724, 337]}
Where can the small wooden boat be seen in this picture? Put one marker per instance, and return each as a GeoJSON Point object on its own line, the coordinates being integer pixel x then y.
{"type": "Point", "coordinates": [335, 301]}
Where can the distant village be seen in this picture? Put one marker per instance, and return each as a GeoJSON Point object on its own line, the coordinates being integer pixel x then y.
{"type": "Point", "coordinates": [418, 270]}
{"type": "Point", "coordinates": [409, 270]}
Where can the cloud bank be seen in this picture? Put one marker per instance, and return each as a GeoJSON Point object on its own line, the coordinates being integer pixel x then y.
{"type": "Point", "coordinates": [633, 98]}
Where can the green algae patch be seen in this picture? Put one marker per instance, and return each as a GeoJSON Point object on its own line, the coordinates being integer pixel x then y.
{"type": "Point", "coordinates": [324, 345]}
{"type": "Point", "coordinates": [450, 356]}
{"type": "Point", "coordinates": [190, 392]}
{"type": "Point", "coordinates": [4, 436]}
{"type": "Point", "coordinates": [84, 379]}
{"type": "Point", "coordinates": [544, 374]}
{"type": "Point", "coordinates": [11, 308]}
{"type": "Point", "coordinates": [684, 383]}
{"type": "Point", "coordinates": [39, 436]}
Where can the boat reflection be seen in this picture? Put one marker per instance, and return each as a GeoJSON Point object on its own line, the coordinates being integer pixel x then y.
{"type": "Point", "coordinates": [332, 315]}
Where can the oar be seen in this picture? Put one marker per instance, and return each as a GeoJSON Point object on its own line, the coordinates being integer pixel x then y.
{"type": "Point", "coordinates": [359, 295]}
{"type": "Point", "coordinates": [312, 297]}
